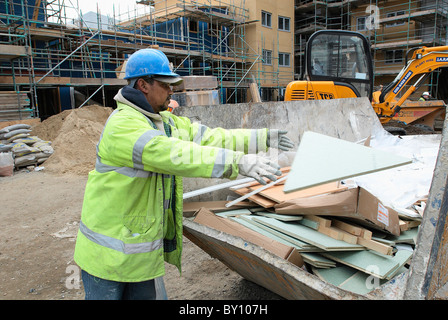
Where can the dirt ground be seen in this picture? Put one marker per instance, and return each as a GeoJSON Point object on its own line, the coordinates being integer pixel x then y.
{"type": "Point", "coordinates": [40, 212]}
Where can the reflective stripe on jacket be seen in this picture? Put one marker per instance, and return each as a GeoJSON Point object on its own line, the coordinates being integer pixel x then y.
{"type": "Point", "coordinates": [131, 218]}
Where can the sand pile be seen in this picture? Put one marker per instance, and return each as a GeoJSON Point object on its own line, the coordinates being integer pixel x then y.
{"type": "Point", "coordinates": [74, 135]}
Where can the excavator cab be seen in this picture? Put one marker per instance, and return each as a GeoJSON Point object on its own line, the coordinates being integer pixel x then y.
{"type": "Point", "coordinates": [338, 65]}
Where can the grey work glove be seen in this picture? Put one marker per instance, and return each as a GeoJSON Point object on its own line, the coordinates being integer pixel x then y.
{"type": "Point", "coordinates": [278, 139]}
{"type": "Point", "coordinates": [256, 167]}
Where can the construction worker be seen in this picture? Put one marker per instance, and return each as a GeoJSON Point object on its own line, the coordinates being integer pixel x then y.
{"type": "Point", "coordinates": [131, 221]}
{"type": "Point", "coordinates": [376, 94]}
{"type": "Point", "coordinates": [425, 96]}
{"type": "Point", "coordinates": [172, 105]}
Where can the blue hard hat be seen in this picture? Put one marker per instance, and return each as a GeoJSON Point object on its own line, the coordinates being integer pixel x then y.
{"type": "Point", "coordinates": [150, 62]}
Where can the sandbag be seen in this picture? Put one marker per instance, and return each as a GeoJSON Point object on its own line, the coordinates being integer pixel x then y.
{"type": "Point", "coordinates": [6, 164]}
{"type": "Point", "coordinates": [22, 149]}
{"type": "Point", "coordinates": [44, 146]}
{"type": "Point", "coordinates": [5, 147]}
{"type": "Point", "coordinates": [24, 161]}
{"type": "Point", "coordinates": [17, 136]}
{"type": "Point", "coordinates": [15, 127]}
{"type": "Point", "coordinates": [15, 132]}
{"type": "Point", "coordinates": [29, 140]}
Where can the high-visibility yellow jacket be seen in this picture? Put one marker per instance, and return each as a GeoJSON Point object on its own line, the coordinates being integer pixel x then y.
{"type": "Point", "coordinates": [131, 218]}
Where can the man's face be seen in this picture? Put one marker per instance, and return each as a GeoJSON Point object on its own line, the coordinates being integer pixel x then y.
{"type": "Point", "coordinates": [158, 94]}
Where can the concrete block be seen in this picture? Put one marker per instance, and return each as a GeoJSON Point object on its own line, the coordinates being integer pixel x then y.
{"type": "Point", "coordinates": [197, 98]}
{"type": "Point", "coordinates": [197, 83]}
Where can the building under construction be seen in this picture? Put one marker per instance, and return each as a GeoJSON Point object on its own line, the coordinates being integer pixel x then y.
{"type": "Point", "coordinates": [51, 61]}
{"type": "Point", "coordinates": [393, 28]}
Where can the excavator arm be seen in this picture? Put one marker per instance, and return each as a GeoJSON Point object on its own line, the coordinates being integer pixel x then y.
{"type": "Point", "coordinates": [422, 63]}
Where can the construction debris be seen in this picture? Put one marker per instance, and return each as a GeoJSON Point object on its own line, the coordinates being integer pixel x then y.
{"type": "Point", "coordinates": [351, 245]}
{"type": "Point", "coordinates": [345, 234]}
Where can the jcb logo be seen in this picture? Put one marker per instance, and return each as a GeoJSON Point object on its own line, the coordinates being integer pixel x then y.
{"type": "Point", "coordinates": [325, 95]}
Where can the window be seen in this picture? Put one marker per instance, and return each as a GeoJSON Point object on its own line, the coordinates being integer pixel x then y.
{"type": "Point", "coordinates": [266, 19]}
{"type": "Point", "coordinates": [284, 24]}
{"type": "Point", "coordinates": [396, 22]}
{"type": "Point", "coordinates": [394, 56]}
{"type": "Point", "coordinates": [283, 59]}
{"type": "Point", "coordinates": [361, 24]}
{"type": "Point", "coordinates": [267, 57]}
{"type": "Point", "coordinates": [193, 26]}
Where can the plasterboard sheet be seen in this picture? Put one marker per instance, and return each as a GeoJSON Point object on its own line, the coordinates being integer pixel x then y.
{"type": "Point", "coordinates": [306, 247]}
{"type": "Point", "coordinates": [233, 213]}
{"type": "Point", "coordinates": [247, 223]}
{"type": "Point", "coordinates": [281, 217]}
{"type": "Point", "coordinates": [308, 235]}
{"type": "Point", "coordinates": [363, 283]}
{"type": "Point", "coordinates": [378, 265]}
{"type": "Point", "coordinates": [317, 260]}
{"type": "Point", "coordinates": [336, 275]}
{"type": "Point", "coordinates": [322, 159]}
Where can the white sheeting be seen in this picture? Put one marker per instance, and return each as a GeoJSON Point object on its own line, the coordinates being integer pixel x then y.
{"type": "Point", "coordinates": [401, 187]}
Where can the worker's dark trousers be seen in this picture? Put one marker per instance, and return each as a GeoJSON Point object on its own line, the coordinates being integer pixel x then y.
{"type": "Point", "coordinates": [101, 289]}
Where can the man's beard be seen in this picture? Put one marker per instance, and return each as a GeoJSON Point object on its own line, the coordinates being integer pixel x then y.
{"type": "Point", "coordinates": [164, 107]}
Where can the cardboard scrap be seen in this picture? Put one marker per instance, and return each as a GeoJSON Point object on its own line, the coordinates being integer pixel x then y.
{"type": "Point", "coordinates": [355, 203]}
{"type": "Point", "coordinates": [276, 192]}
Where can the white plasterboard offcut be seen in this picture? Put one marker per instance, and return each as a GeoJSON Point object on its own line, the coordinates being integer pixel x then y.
{"type": "Point", "coordinates": [322, 159]}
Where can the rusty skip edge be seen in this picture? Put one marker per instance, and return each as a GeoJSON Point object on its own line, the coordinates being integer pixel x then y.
{"type": "Point", "coordinates": [264, 268]}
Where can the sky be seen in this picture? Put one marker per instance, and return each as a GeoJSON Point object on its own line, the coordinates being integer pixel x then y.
{"type": "Point", "coordinates": [106, 7]}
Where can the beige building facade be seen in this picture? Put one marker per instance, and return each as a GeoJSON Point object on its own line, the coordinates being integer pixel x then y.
{"type": "Point", "coordinates": [272, 37]}
{"type": "Point", "coordinates": [260, 34]}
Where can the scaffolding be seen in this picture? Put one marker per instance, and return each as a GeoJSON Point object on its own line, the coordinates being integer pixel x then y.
{"type": "Point", "coordinates": [402, 26]}
{"type": "Point", "coordinates": [52, 60]}
{"type": "Point", "coordinates": [50, 56]}
{"type": "Point", "coordinates": [393, 28]}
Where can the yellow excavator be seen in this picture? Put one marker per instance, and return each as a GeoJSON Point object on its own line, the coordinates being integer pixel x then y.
{"type": "Point", "coordinates": [339, 65]}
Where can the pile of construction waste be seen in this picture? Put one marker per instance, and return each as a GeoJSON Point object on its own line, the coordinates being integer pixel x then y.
{"type": "Point", "coordinates": [355, 234]}
{"type": "Point", "coordinates": [20, 149]}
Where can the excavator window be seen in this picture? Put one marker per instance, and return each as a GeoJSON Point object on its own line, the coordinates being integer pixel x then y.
{"type": "Point", "coordinates": [342, 57]}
